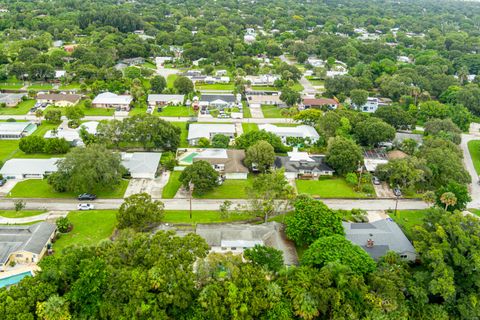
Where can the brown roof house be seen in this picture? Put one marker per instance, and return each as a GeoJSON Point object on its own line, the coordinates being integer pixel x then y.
{"type": "Point", "coordinates": [59, 99]}
{"type": "Point", "coordinates": [229, 163]}
{"type": "Point", "coordinates": [319, 103]}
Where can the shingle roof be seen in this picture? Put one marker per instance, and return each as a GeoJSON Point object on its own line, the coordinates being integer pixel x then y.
{"type": "Point", "coordinates": [319, 102]}
{"type": "Point", "coordinates": [199, 130]}
{"type": "Point", "coordinates": [230, 98]}
{"type": "Point", "coordinates": [317, 165]}
{"type": "Point", "coordinates": [141, 162]}
{"type": "Point", "coordinates": [302, 131]}
{"type": "Point", "coordinates": [232, 159]}
{"type": "Point", "coordinates": [59, 97]}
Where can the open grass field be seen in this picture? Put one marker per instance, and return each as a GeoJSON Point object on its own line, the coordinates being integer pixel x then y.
{"type": "Point", "coordinates": [474, 149]}
{"type": "Point", "coordinates": [215, 86]}
{"type": "Point", "coordinates": [89, 228]}
{"type": "Point", "coordinates": [408, 219]}
{"type": "Point", "coordinates": [172, 186]}
{"type": "Point", "coordinates": [175, 111]}
{"type": "Point", "coordinates": [230, 189]}
{"type": "Point", "coordinates": [70, 86]}
{"type": "Point", "coordinates": [183, 134]}
{"type": "Point", "coordinates": [40, 86]}
{"type": "Point", "coordinates": [22, 108]}
{"type": "Point", "coordinates": [36, 188]}
{"type": "Point", "coordinates": [272, 112]}
{"type": "Point", "coordinates": [328, 188]}
{"type": "Point", "coordinates": [247, 127]}
{"type": "Point", "coordinates": [11, 85]}
{"type": "Point", "coordinates": [20, 214]}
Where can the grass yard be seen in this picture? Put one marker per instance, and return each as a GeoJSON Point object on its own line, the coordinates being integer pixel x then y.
{"type": "Point", "coordinates": [265, 88]}
{"type": "Point", "coordinates": [202, 216]}
{"type": "Point", "coordinates": [474, 149]}
{"type": "Point", "coordinates": [86, 111]}
{"type": "Point", "coordinates": [297, 87]}
{"type": "Point", "coordinates": [137, 110]}
{"type": "Point", "coordinates": [230, 189]}
{"type": "Point", "coordinates": [7, 149]}
{"type": "Point", "coordinates": [20, 214]}
{"type": "Point", "coordinates": [172, 186]}
{"type": "Point", "coordinates": [174, 111]}
{"type": "Point", "coordinates": [247, 127]}
{"type": "Point", "coordinates": [272, 112]}
{"type": "Point", "coordinates": [407, 219]}
{"type": "Point", "coordinates": [22, 108]}
{"type": "Point", "coordinates": [171, 79]}
{"type": "Point", "coordinates": [36, 188]}
{"type": "Point", "coordinates": [215, 86]}
{"type": "Point", "coordinates": [149, 65]}
{"type": "Point", "coordinates": [328, 188]}
{"type": "Point", "coordinates": [40, 86]}
{"type": "Point", "coordinates": [183, 134]}
{"type": "Point", "coordinates": [316, 82]}
{"type": "Point", "coordinates": [70, 86]}
{"type": "Point", "coordinates": [11, 85]}
{"type": "Point", "coordinates": [246, 112]}
{"type": "Point", "coordinates": [89, 228]}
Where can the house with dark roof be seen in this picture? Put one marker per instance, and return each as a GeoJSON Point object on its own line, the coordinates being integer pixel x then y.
{"type": "Point", "coordinates": [301, 165]}
{"type": "Point", "coordinates": [228, 163]}
{"type": "Point", "coordinates": [219, 101]}
{"type": "Point", "coordinates": [25, 244]}
{"type": "Point", "coordinates": [379, 237]}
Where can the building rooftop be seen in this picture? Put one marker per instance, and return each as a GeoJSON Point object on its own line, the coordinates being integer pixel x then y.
{"type": "Point", "coordinates": [302, 131]}
{"type": "Point", "coordinates": [230, 98]}
{"type": "Point", "coordinates": [141, 162]}
{"type": "Point", "coordinates": [199, 130]}
{"type": "Point", "coordinates": [29, 166]}
{"type": "Point", "coordinates": [112, 98]}
{"type": "Point", "coordinates": [314, 164]}
{"type": "Point", "coordinates": [232, 159]}
{"type": "Point", "coordinates": [14, 127]}
{"type": "Point", "coordinates": [59, 97]}
{"type": "Point", "coordinates": [165, 97]}
{"type": "Point", "coordinates": [10, 98]}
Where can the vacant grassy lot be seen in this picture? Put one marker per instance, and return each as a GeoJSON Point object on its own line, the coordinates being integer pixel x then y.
{"type": "Point", "coordinates": [230, 189]}
{"type": "Point", "coordinates": [172, 186]}
{"type": "Point", "coordinates": [328, 188]}
{"type": "Point", "coordinates": [408, 219]}
{"type": "Point", "coordinates": [183, 134]}
{"type": "Point", "coordinates": [36, 188]}
{"type": "Point", "coordinates": [89, 228]}
{"type": "Point", "coordinates": [22, 108]}
{"type": "Point", "coordinates": [202, 216]}
{"type": "Point", "coordinates": [247, 127]}
{"type": "Point", "coordinates": [20, 214]}
{"type": "Point", "coordinates": [175, 111]}
{"type": "Point", "coordinates": [40, 86]}
{"type": "Point", "coordinates": [474, 149]}
{"type": "Point", "coordinates": [272, 112]}
{"type": "Point", "coordinates": [216, 86]}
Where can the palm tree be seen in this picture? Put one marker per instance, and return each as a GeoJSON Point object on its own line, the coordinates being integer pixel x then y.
{"type": "Point", "coordinates": [448, 199]}
{"type": "Point", "coordinates": [462, 74]}
{"type": "Point", "coordinates": [429, 197]}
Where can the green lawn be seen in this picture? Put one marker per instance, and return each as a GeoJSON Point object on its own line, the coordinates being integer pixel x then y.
{"type": "Point", "coordinates": [43, 128]}
{"type": "Point", "coordinates": [272, 112]}
{"type": "Point", "coordinates": [171, 79]}
{"type": "Point", "coordinates": [172, 186]}
{"type": "Point", "coordinates": [407, 219]}
{"type": "Point", "coordinates": [175, 111]}
{"type": "Point", "coordinates": [202, 216]}
{"type": "Point", "coordinates": [7, 149]}
{"type": "Point", "coordinates": [183, 134]}
{"type": "Point", "coordinates": [40, 86]}
{"type": "Point", "coordinates": [137, 110]}
{"type": "Point", "coordinates": [230, 189]}
{"type": "Point", "coordinates": [265, 88]}
{"type": "Point", "coordinates": [246, 112]}
{"type": "Point", "coordinates": [36, 188]}
{"type": "Point", "coordinates": [89, 228]}
{"type": "Point", "coordinates": [328, 188]}
{"type": "Point", "coordinates": [149, 65]}
{"type": "Point", "coordinates": [247, 127]}
{"type": "Point", "coordinates": [474, 149]}
{"type": "Point", "coordinates": [70, 86]}
{"type": "Point", "coordinates": [216, 86]}
{"type": "Point", "coordinates": [22, 108]}
{"type": "Point", "coordinates": [86, 111]}
{"type": "Point", "coordinates": [297, 87]}
{"type": "Point", "coordinates": [315, 82]}
{"type": "Point", "coordinates": [11, 85]}
{"type": "Point", "coordinates": [20, 214]}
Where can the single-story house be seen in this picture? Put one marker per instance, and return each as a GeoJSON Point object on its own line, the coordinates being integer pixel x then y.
{"type": "Point", "coordinates": [16, 130]}
{"type": "Point", "coordinates": [379, 237]}
{"type": "Point", "coordinates": [221, 73]}
{"type": "Point", "coordinates": [11, 99]}
{"type": "Point", "coordinates": [25, 244]}
{"type": "Point", "coordinates": [302, 131]}
{"type": "Point", "coordinates": [204, 130]}
{"type": "Point", "coordinates": [301, 165]}
{"type": "Point", "coordinates": [72, 135]}
{"type": "Point", "coordinates": [142, 165]}
{"type": "Point", "coordinates": [28, 168]}
{"type": "Point", "coordinates": [60, 100]}
{"type": "Point", "coordinates": [308, 103]}
{"type": "Point", "coordinates": [133, 61]}
{"type": "Point", "coordinates": [315, 62]}
{"type": "Point", "coordinates": [60, 73]}
{"type": "Point", "coordinates": [373, 104]}
{"type": "Point", "coordinates": [112, 100]}
{"type": "Point", "coordinates": [262, 80]}
{"type": "Point", "coordinates": [373, 158]}
{"type": "Point", "coordinates": [229, 163]}
{"type": "Point", "coordinates": [236, 238]}
{"type": "Point", "coordinates": [402, 136]}
{"type": "Point", "coordinates": [258, 100]}
{"type": "Point", "coordinates": [219, 101]}
{"type": "Point", "coordinates": [165, 99]}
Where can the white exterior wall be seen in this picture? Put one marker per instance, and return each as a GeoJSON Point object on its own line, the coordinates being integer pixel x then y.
{"type": "Point", "coordinates": [236, 176]}
{"type": "Point", "coordinates": [290, 175]}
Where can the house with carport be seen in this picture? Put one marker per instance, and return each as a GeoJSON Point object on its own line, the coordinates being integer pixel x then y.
{"type": "Point", "coordinates": [196, 131]}
{"type": "Point", "coordinates": [59, 99]}
{"type": "Point", "coordinates": [227, 162]}
{"type": "Point", "coordinates": [112, 100]}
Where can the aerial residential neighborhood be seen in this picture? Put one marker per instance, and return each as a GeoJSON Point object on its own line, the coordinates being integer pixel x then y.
{"type": "Point", "coordinates": [239, 160]}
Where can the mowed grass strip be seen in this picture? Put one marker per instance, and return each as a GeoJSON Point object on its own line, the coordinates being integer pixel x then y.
{"type": "Point", "coordinates": [20, 214]}
{"type": "Point", "coordinates": [328, 188]}
{"type": "Point", "coordinates": [474, 149]}
{"type": "Point", "coordinates": [202, 216]}
{"type": "Point", "coordinates": [172, 186]}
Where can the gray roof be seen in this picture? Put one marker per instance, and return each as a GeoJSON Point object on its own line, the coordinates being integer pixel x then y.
{"type": "Point", "coordinates": [17, 127]}
{"type": "Point", "coordinates": [141, 162]}
{"type": "Point", "coordinates": [401, 136]}
{"type": "Point", "coordinates": [317, 165]}
{"type": "Point", "coordinates": [29, 166]}
{"type": "Point", "coordinates": [165, 97]}
{"type": "Point", "coordinates": [229, 98]}
{"type": "Point", "coordinates": [9, 98]}
{"type": "Point", "coordinates": [31, 238]}
{"type": "Point", "coordinates": [203, 130]}
{"type": "Point", "coordinates": [386, 235]}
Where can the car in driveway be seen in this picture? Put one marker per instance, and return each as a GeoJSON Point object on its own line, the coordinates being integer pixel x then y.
{"type": "Point", "coordinates": [397, 192]}
{"type": "Point", "coordinates": [86, 196]}
{"type": "Point", "coordinates": [2, 182]}
{"type": "Point", "coordinates": [85, 206]}
{"type": "Point", "coordinates": [375, 180]}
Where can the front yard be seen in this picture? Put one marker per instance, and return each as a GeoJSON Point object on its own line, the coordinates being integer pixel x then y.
{"type": "Point", "coordinates": [230, 189]}
{"type": "Point", "coordinates": [474, 149]}
{"type": "Point", "coordinates": [22, 108]}
{"type": "Point", "coordinates": [408, 219]}
{"type": "Point", "coordinates": [215, 86]}
{"type": "Point", "coordinates": [272, 112]}
{"type": "Point", "coordinates": [247, 127]}
{"type": "Point", "coordinates": [175, 111]}
{"type": "Point", "coordinates": [86, 111]}
{"type": "Point", "coordinates": [37, 188]}
{"type": "Point", "coordinates": [328, 188]}
{"type": "Point", "coordinates": [183, 134]}
{"type": "Point", "coordinates": [171, 188]}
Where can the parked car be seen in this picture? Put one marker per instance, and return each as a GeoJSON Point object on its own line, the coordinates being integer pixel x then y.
{"type": "Point", "coordinates": [375, 180]}
{"type": "Point", "coordinates": [159, 109]}
{"type": "Point", "coordinates": [397, 192]}
{"type": "Point", "coordinates": [85, 206]}
{"type": "Point", "coordinates": [2, 182]}
{"type": "Point", "coordinates": [87, 196]}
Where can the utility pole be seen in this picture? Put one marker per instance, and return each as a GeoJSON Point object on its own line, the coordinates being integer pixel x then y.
{"type": "Point", "coordinates": [396, 205]}
{"type": "Point", "coordinates": [190, 188]}
{"type": "Point", "coordinates": [360, 178]}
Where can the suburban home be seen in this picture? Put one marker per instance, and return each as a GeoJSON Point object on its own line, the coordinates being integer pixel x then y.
{"type": "Point", "coordinates": [156, 100]}
{"type": "Point", "coordinates": [60, 100]}
{"type": "Point", "coordinates": [302, 131]}
{"type": "Point", "coordinates": [70, 47]}
{"type": "Point", "coordinates": [112, 100]}
{"type": "Point", "coordinates": [28, 168]}
{"type": "Point", "coordinates": [72, 135]}
{"type": "Point", "coordinates": [141, 165]}
{"type": "Point", "coordinates": [301, 165]}
{"type": "Point", "coordinates": [228, 163]}
{"type": "Point", "coordinates": [402, 136]}
{"type": "Point", "coordinates": [24, 244]}
{"type": "Point", "coordinates": [204, 130]}
{"type": "Point", "coordinates": [219, 101]}
{"type": "Point", "coordinates": [16, 130]}
{"type": "Point", "coordinates": [315, 62]}
{"type": "Point", "coordinates": [263, 79]}
{"type": "Point", "coordinates": [379, 237]}
{"type": "Point", "coordinates": [265, 99]}
{"type": "Point", "coordinates": [160, 61]}
{"type": "Point", "coordinates": [11, 99]}
{"type": "Point", "coordinates": [319, 103]}
{"type": "Point", "coordinates": [235, 238]}
{"type": "Point", "coordinates": [60, 73]}
{"type": "Point", "coordinates": [373, 104]}
{"type": "Point", "coordinates": [133, 61]}
{"type": "Point", "coordinates": [221, 73]}
{"type": "Point", "coordinates": [373, 158]}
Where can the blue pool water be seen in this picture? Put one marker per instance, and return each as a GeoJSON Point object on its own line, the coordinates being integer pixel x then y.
{"type": "Point", "coordinates": [189, 158]}
{"type": "Point", "coordinates": [8, 281]}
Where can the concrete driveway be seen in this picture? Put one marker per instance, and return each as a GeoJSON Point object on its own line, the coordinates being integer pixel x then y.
{"type": "Point", "coordinates": [474, 187]}
{"type": "Point", "coordinates": [383, 191]}
{"type": "Point", "coordinates": [153, 187]}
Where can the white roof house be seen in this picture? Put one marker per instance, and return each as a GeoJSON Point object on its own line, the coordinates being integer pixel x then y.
{"type": "Point", "coordinates": [112, 100]}
{"type": "Point", "coordinates": [16, 130]}
{"type": "Point", "coordinates": [28, 168]}
{"type": "Point", "coordinates": [60, 73]}
{"type": "Point", "coordinates": [165, 99]}
{"type": "Point", "coordinates": [141, 165]}
{"type": "Point", "coordinates": [72, 135]}
{"type": "Point", "coordinates": [201, 130]}
{"type": "Point", "coordinates": [302, 131]}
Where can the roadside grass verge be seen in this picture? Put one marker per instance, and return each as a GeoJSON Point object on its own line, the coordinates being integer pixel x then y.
{"type": "Point", "coordinates": [328, 188]}
{"type": "Point", "coordinates": [172, 186]}
{"type": "Point", "coordinates": [20, 214]}
{"type": "Point", "coordinates": [474, 149]}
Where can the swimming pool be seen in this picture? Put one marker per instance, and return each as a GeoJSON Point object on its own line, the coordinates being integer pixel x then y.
{"type": "Point", "coordinates": [11, 280]}
{"type": "Point", "coordinates": [189, 158]}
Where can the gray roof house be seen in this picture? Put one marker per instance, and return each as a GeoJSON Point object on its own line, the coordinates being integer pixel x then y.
{"type": "Point", "coordinates": [379, 237]}
{"type": "Point", "coordinates": [28, 168]}
{"type": "Point", "coordinates": [11, 99]}
{"type": "Point", "coordinates": [165, 99]}
{"type": "Point", "coordinates": [209, 130]}
{"type": "Point", "coordinates": [302, 165]}
{"type": "Point", "coordinates": [16, 130]}
{"type": "Point", "coordinates": [25, 244]}
{"type": "Point", "coordinates": [218, 100]}
{"type": "Point", "coordinates": [141, 165]}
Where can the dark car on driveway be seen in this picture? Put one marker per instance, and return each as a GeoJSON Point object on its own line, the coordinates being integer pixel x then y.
{"type": "Point", "coordinates": [87, 196]}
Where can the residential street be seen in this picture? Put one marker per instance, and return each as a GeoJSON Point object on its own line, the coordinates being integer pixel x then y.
{"type": "Point", "coordinates": [474, 187]}
{"type": "Point", "coordinates": [308, 88]}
